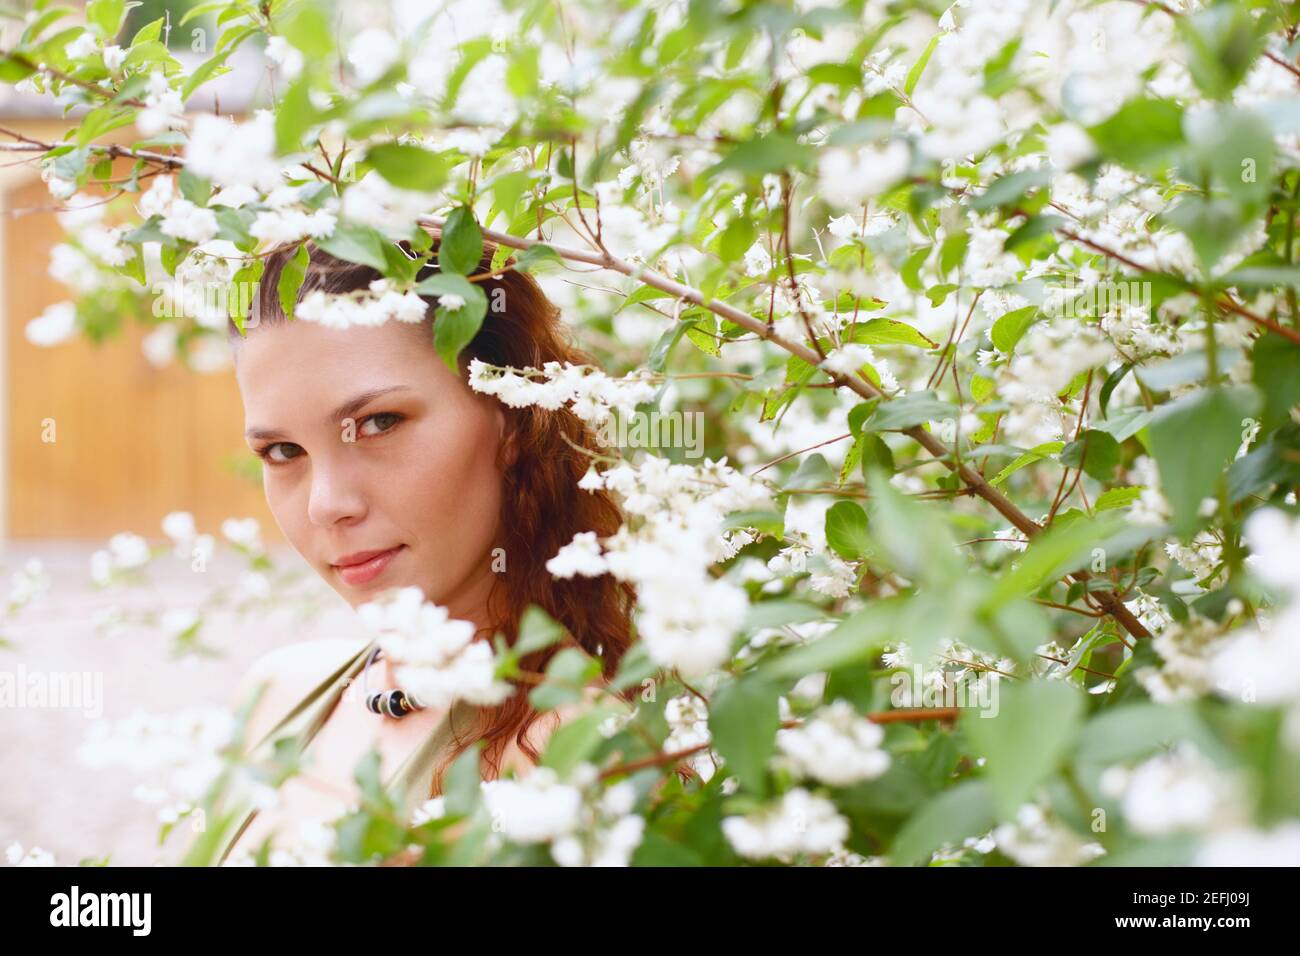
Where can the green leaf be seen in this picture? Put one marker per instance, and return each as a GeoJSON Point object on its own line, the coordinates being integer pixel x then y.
{"type": "Point", "coordinates": [771, 153]}
{"type": "Point", "coordinates": [461, 248]}
{"type": "Point", "coordinates": [1211, 225]}
{"type": "Point", "coordinates": [736, 239]}
{"type": "Point", "coordinates": [295, 116]}
{"type": "Point", "coordinates": [1234, 150]}
{"type": "Point", "coordinates": [13, 69]}
{"type": "Point", "coordinates": [452, 331]}
{"type": "Point", "coordinates": [1096, 451]}
{"type": "Point", "coordinates": [106, 16]}
{"type": "Point", "coordinates": [846, 530]}
{"type": "Point", "coordinates": [1063, 547]}
{"type": "Point", "coordinates": [1011, 327]}
{"type": "Point", "coordinates": [573, 742]}
{"type": "Point", "coordinates": [194, 188]}
{"type": "Point", "coordinates": [813, 472]}
{"type": "Point", "coordinates": [566, 675]}
{"type": "Point", "coordinates": [1037, 453]}
{"type": "Point", "coordinates": [1117, 498]}
{"type": "Point", "coordinates": [744, 719]}
{"type": "Point", "coordinates": [308, 29]}
{"type": "Point", "coordinates": [102, 120]}
{"type": "Point", "coordinates": [1222, 44]}
{"type": "Point", "coordinates": [1143, 131]}
{"type": "Point", "coordinates": [1025, 737]}
{"type": "Point", "coordinates": [535, 257]}
{"type": "Point", "coordinates": [912, 536]}
{"type": "Point", "coordinates": [356, 243]}
{"type": "Point", "coordinates": [537, 630]}
{"type": "Point", "coordinates": [1035, 228]}
{"type": "Point", "coordinates": [907, 411]}
{"type": "Point", "coordinates": [212, 68]}
{"type": "Point", "coordinates": [889, 332]}
{"type": "Point", "coordinates": [148, 33]}
{"type": "Point", "coordinates": [408, 167]}
{"type": "Point", "coordinates": [964, 811]}
{"type": "Point", "coordinates": [1128, 732]}
{"type": "Point", "coordinates": [857, 638]}
{"type": "Point", "coordinates": [291, 278]}
{"type": "Point", "coordinates": [876, 454]}
{"type": "Point", "coordinates": [1277, 376]}
{"type": "Point", "coordinates": [1009, 189]}
{"type": "Point", "coordinates": [914, 74]}
{"type": "Point", "coordinates": [1193, 439]}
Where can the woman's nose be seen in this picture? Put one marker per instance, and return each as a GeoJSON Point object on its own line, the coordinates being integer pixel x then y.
{"type": "Point", "coordinates": [336, 494]}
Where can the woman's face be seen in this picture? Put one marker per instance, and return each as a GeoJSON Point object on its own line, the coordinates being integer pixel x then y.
{"type": "Point", "coordinates": [372, 446]}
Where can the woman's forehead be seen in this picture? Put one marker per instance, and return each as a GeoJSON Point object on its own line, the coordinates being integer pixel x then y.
{"type": "Point", "coordinates": [280, 361]}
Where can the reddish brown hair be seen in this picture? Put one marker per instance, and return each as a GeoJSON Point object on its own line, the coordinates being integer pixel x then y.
{"type": "Point", "coordinates": [542, 507]}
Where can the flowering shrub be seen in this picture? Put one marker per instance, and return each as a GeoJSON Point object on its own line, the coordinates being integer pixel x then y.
{"type": "Point", "coordinates": [990, 309]}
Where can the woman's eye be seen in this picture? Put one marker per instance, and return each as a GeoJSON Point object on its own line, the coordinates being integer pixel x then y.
{"type": "Point", "coordinates": [288, 453]}
{"type": "Point", "coordinates": [382, 422]}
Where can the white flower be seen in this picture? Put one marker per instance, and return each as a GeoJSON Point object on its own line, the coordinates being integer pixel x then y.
{"type": "Point", "coordinates": [33, 857]}
{"type": "Point", "coordinates": [1274, 539]}
{"type": "Point", "coordinates": [580, 556]}
{"type": "Point", "coordinates": [189, 222]}
{"type": "Point", "coordinates": [179, 755]}
{"type": "Point", "coordinates": [371, 307]}
{"type": "Point", "coordinates": [243, 532]}
{"type": "Point", "coordinates": [180, 527]}
{"type": "Point", "coordinates": [56, 324]}
{"type": "Point", "coordinates": [159, 346]}
{"type": "Point", "coordinates": [279, 226]}
{"type": "Point", "coordinates": [451, 302]}
{"type": "Point", "coordinates": [375, 202]}
{"type": "Point", "coordinates": [836, 745]}
{"type": "Point", "coordinates": [28, 584]}
{"type": "Point", "coordinates": [372, 52]}
{"type": "Point", "coordinates": [106, 244]}
{"type": "Point", "coordinates": [231, 154]}
{"type": "Point", "coordinates": [178, 621]}
{"type": "Point", "coordinates": [128, 550]}
{"type": "Point", "coordinates": [288, 57]}
{"type": "Point", "coordinates": [434, 808]}
{"type": "Point", "coordinates": [848, 178]}
{"type": "Point", "coordinates": [1068, 146]}
{"type": "Point", "coordinates": [439, 660]}
{"type": "Point", "coordinates": [688, 723]}
{"type": "Point", "coordinates": [114, 57]}
{"type": "Point", "coordinates": [1246, 846]}
{"type": "Point", "coordinates": [848, 359]}
{"type": "Point", "coordinates": [757, 260]}
{"type": "Point", "coordinates": [844, 227]}
{"type": "Point", "coordinates": [82, 46]}
{"type": "Point", "coordinates": [1179, 790]}
{"type": "Point", "coordinates": [164, 109]}
{"type": "Point", "coordinates": [800, 822]}
{"type": "Point", "coordinates": [959, 129]}
{"type": "Point", "coordinates": [1034, 839]}
{"type": "Point", "coordinates": [537, 809]}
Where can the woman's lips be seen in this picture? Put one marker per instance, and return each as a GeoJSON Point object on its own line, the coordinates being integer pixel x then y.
{"type": "Point", "coordinates": [368, 570]}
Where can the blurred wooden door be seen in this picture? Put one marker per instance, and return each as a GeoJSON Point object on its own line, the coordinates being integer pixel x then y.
{"type": "Point", "coordinates": [132, 441]}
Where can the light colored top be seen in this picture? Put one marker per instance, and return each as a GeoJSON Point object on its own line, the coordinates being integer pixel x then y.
{"type": "Point", "coordinates": [409, 784]}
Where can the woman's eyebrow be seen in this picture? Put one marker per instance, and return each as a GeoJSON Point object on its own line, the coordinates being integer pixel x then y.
{"type": "Point", "coordinates": [346, 410]}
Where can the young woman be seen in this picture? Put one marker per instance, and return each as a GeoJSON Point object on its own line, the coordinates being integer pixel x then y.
{"type": "Point", "coordinates": [384, 469]}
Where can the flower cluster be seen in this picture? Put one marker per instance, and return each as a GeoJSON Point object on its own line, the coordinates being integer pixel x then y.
{"type": "Point", "coordinates": [438, 659]}
{"type": "Point", "coordinates": [589, 393]}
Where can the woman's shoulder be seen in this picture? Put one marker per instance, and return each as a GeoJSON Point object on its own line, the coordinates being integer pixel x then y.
{"type": "Point", "coordinates": [286, 674]}
{"type": "Point", "coordinates": [540, 731]}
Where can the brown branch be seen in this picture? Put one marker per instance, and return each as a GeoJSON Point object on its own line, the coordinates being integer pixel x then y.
{"type": "Point", "coordinates": [976, 482]}
{"type": "Point", "coordinates": [909, 715]}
